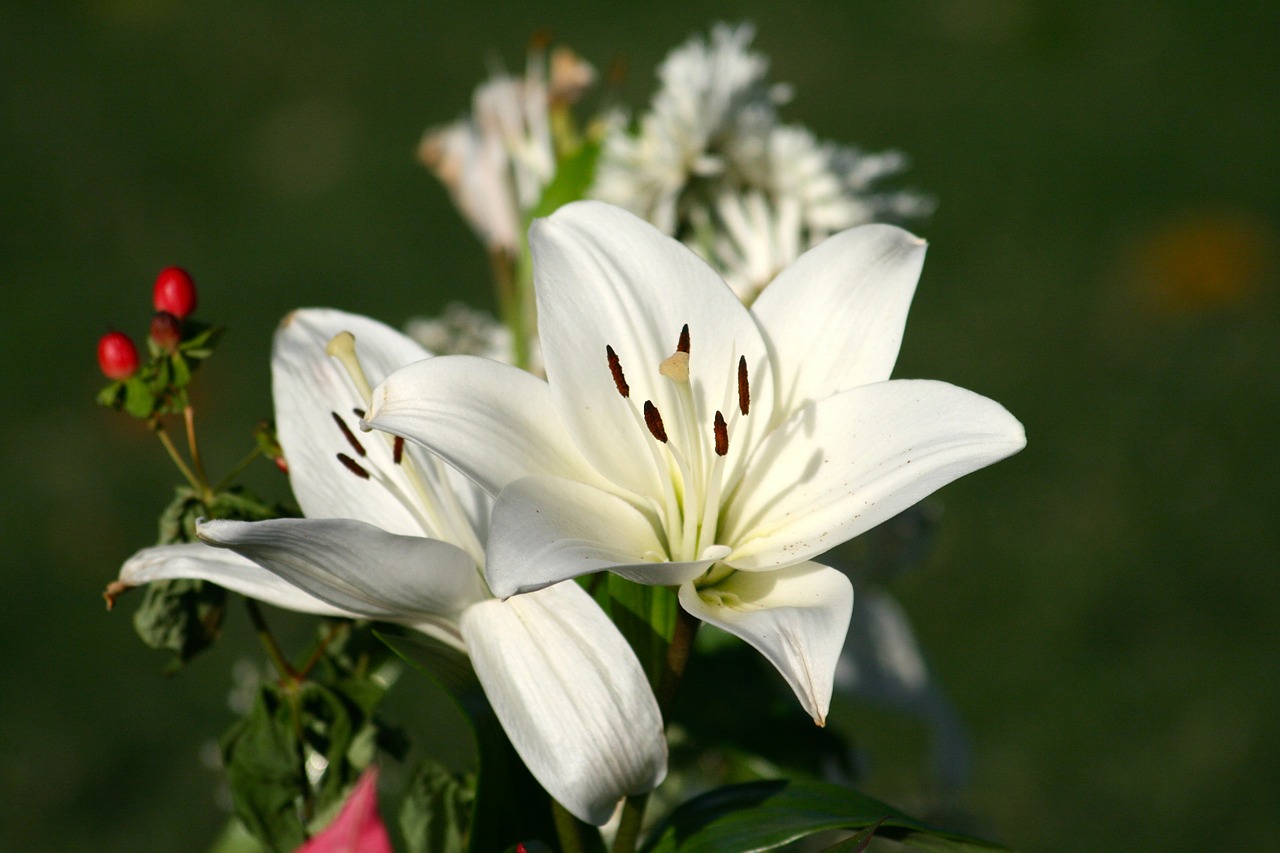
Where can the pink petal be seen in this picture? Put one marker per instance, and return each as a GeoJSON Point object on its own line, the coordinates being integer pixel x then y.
{"type": "Point", "coordinates": [358, 827]}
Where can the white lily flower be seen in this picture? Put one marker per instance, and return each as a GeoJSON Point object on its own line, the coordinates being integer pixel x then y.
{"type": "Point", "coordinates": [684, 439]}
{"type": "Point", "coordinates": [392, 534]}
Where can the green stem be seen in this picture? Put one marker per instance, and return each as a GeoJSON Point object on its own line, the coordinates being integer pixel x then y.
{"type": "Point", "coordinates": [629, 826]}
{"type": "Point", "coordinates": [159, 430]}
{"type": "Point", "coordinates": [686, 628]}
{"type": "Point", "coordinates": [568, 829]}
{"type": "Point", "coordinates": [189, 418]}
{"type": "Point", "coordinates": [287, 672]}
{"type": "Point", "coordinates": [235, 472]}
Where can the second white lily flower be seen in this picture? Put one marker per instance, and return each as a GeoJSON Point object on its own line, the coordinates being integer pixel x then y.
{"type": "Point", "coordinates": [682, 439]}
{"type": "Point", "coordinates": [392, 534]}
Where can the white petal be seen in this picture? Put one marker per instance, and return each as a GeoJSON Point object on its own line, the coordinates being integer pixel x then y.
{"type": "Point", "coordinates": [841, 466]}
{"type": "Point", "coordinates": [493, 422]}
{"type": "Point", "coordinates": [571, 696]}
{"type": "Point", "coordinates": [357, 566]}
{"type": "Point", "coordinates": [548, 529]}
{"type": "Point", "coordinates": [796, 617]}
{"type": "Point", "coordinates": [607, 278]}
{"type": "Point", "coordinates": [310, 388]}
{"type": "Point", "coordinates": [834, 318]}
{"type": "Point", "coordinates": [197, 561]}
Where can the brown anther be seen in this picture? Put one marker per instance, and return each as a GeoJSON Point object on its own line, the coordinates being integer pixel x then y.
{"type": "Point", "coordinates": [721, 430]}
{"type": "Point", "coordinates": [397, 450]}
{"type": "Point", "coordinates": [351, 438]}
{"type": "Point", "coordinates": [353, 466]}
{"type": "Point", "coordinates": [653, 420]}
{"type": "Point", "coordinates": [359, 413]}
{"type": "Point", "coordinates": [615, 367]}
{"type": "Point", "coordinates": [744, 388]}
{"type": "Point", "coordinates": [683, 344]}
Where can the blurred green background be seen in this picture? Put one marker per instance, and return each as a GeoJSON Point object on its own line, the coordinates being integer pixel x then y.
{"type": "Point", "coordinates": [1102, 608]}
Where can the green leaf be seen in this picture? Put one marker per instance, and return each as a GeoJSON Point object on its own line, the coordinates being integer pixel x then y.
{"type": "Point", "coordinates": [856, 843]}
{"type": "Point", "coordinates": [139, 399]}
{"type": "Point", "coordinates": [510, 806]}
{"type": "Point", "coordinates": [181, 616]}
{"type": "Point", "coordinates": [646, 616]}
{"type": "Point", "coordinates": [436, 812]}
{"type": "Point", "coordinates": [264, 760]}
{"type": "Point", "coordinates": [573, 178]}
{"type": "Point", "coordinates": [765, 815]}
{"type": "Point", "coordinates": [180, 370]}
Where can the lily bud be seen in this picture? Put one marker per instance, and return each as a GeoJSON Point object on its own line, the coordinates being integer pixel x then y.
{"type": "Point", "coordinates": [175, 292]}
{"type": "Point", "coordinates": [166, 331]}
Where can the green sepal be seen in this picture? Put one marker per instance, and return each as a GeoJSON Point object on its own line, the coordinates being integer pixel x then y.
{"type": "Point", "coordinates": [435, 815]}
{"type": "Point", "coordinates": [199, 340]}
{"type": "Point", "coordinates": [761, 816]}
{"type": "Point", "coordinates": [139, 397]}
{"type": "Point", "coordinates": [510, 806]}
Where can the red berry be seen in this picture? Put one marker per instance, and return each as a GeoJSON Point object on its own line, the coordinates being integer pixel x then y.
{"type": "Point", "coordinates": [166, 331]}
{"type": "Point", "coordinates": [117, 356]}
{"type": "Point", "coordinates": [175, 292]}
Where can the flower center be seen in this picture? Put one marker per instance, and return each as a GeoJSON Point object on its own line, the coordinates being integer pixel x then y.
{"type": "Point", "coordinates": [418, 482]}
{"type": "Point", "coordinates": [689, 454]}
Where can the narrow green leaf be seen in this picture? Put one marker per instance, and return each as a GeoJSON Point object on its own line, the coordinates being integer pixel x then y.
{"type": "Point", "coordinates": [436, 812]}
{"type": "Point", "coordinates": [856, 843]}
{"type": "Point", "coordinates": [761, 816]}
{"type": "Point", "coordinates": [180, 370]}
{"type": "Point", "coordinates": [573, 177]}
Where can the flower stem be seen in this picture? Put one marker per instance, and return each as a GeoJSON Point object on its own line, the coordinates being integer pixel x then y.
{"type": "Point", "coordinates": [686, 628]}
{"type": "Point", "coordinates": [287, 672]}
{"type": "Point", "coordinates": [235, 472]}
{"type": "Point", "coordinates": [568, 828]}
{"type": "Point", "coordinates": [158, 429]}
{"type": "Point", "coordinates": [189, 418]}
{"type": "Point", "coordinates": [629, 826]}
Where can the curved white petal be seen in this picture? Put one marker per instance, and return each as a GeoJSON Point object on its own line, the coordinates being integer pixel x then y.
{"type": "Point", "coordinates": [311, 388]}
{"type": "Point", "coordinates": [605, 278]}
{"type": "Point", "coordinates": [796, 617]}
{"type": "Point", "coordinates": [548, 529]}
{"type": "Point", "coordinates": [841, 466]}
{"type": "Point", "coordinates": [357, 566]}
{"type": "Point", "coordinates": [571, 695]}
{"type": "Point", "coordinates": [197, 561]}
{"type": "Point", "coordinates": [834, 318]}
{"type": "Point", "coordinates": [492, 421]}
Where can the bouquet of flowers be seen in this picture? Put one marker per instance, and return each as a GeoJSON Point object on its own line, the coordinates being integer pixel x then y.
{"type": "Point", "coordinates": [653, 463]}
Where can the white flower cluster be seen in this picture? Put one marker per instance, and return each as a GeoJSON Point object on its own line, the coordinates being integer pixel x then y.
{"type": "Point", "coordinates": [497, 160]}
{"type": "Point", "coordinates": [712, 164]}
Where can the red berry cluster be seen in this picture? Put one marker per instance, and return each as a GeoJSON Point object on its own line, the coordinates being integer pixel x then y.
{"type": "Point", "coordinates": [174, 296]}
